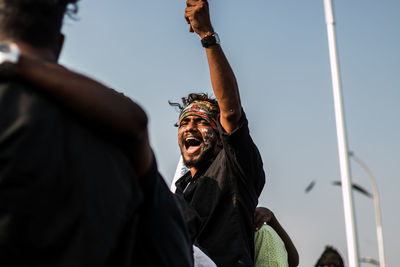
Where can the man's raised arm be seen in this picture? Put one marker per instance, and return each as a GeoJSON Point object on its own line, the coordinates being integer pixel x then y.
{"type": "Point", "coordinates": [222, 77]}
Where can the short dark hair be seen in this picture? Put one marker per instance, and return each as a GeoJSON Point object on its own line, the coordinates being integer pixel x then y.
{"type": "Point", "coordinates": [37, 22]}
{"type": "Point", "coordinates": [193, 97]}
{"type": "Point", "coordinates": [330, 256]}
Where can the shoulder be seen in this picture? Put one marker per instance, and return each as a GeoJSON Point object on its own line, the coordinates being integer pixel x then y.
{"type": "Point", "coordinates": [19, 100]}
{"type": "Point", "coordinates": [243, 158]}
{"type": "Point", "coordinates": [239, 140]}
{"type": "Point", "coordinates": [242, 124]}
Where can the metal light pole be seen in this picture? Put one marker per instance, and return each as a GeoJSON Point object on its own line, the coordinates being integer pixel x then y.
{"type": "Point", "coordinates": [375, 195]}
{"type": "Point", "coordinates": [351, 235]}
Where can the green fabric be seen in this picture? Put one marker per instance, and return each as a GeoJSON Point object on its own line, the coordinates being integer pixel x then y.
{"type": "Point", "coordinates": [269, 248]}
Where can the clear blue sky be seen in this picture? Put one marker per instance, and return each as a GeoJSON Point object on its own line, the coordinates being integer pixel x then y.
{"type": "Point", "coordinates": [279, 52]}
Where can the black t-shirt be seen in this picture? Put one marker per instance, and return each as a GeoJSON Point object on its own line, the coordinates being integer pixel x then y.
{"type": "Point", "coordinates": [225, 194]}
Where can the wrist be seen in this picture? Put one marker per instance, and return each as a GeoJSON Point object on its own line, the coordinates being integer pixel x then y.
{"type": "Point", "coordinates": [210, 39]}
{"type": "Point", "coordinates": [9, 52]}
{"type": "Point", "coordinates": [9, 57]}
{"type": "Point", "coordinates": [206, 34]}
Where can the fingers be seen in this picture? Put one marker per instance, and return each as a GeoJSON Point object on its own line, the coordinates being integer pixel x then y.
{"type": "Point", "coordinates": [187, 17]}
{"type": "Point", "coordinates": [197, 15]}
{"type": "Point", "coordinates": [190, 3]}
{"type": "Point", "coordinates": [258, 221]}
{"type": "Point", "coordinates": [188, 22]}
{"type": "Point", "coordinates": [262, 215]}
{"type": "Point", "coordinates": [258, 225]}
{"type": "Point", "coordinates": [257, 216]}
{"type": "Point", "coordinates": [189, 11]}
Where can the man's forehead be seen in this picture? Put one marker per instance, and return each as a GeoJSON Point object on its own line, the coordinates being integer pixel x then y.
{"type": "Point", "coordinates": [199, 111]}
{"type": "Point", "coordinates": [193, 117]}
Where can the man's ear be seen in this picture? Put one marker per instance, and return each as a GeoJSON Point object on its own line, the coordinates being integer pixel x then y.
{"type": "Point", "coordinates": [60, 45]}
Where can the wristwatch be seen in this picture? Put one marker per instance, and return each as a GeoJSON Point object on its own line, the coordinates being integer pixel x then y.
{"type": "Point", "coordinates": [9, 52]}
{"type": "Point", "coordinates": [210, 40]}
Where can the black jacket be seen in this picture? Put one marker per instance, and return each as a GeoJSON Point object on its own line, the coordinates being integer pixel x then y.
{"type": "Point", "coordinates": [68, 197]}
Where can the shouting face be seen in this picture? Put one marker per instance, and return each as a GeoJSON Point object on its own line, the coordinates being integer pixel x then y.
{"type": "Point", "coordinates": [197, 140]}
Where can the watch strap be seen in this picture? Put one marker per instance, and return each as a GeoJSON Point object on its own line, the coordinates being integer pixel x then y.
{"type": "Point", "coordinates": [209, 40]}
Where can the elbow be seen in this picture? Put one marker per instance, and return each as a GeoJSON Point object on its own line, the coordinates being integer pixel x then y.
{"type": "Point", "coordinates": [139, 129]}
{"type": "Point", "coordinates": [140, 115]}
{"type": "Point", "coordinates": [295, 263]}
{"type": "Point", "coordinates": [138, 123]}
{"type": "Point", "coordinates": [294, 259]}
{"type": "Point", "coordinates": [132, 130]}
{"type": "Point", "coordinates": [230, 118]}
{"type": "Point", "coordinates": [232, 115]}
{"type": "Point", "coordinates": [143, 121]}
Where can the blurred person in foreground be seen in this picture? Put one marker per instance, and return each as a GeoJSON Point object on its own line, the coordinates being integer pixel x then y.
{"type": "Point", "coordinates": [77, 186]}
{"type": "Point", "coordinates": [226, 173]}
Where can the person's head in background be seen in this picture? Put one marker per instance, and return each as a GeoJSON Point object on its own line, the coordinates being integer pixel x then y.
{"type": "Point", "coordinates": [330, 258]}
{"type": "Point", "coordinates": [198, 136]}
{"type": "Point", "coordinates": [35, 25]}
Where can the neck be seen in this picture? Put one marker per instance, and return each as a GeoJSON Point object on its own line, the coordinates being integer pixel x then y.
{"type": "Point", "coordinates": [39, 53]}
{"type": "Point", "coordinates": [193, 171]}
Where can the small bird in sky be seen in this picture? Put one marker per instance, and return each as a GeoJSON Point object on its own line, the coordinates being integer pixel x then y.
{"type": "Point", "coordinates": [309, 187]}
{"type": "Point", "coordinates": [355, 187]}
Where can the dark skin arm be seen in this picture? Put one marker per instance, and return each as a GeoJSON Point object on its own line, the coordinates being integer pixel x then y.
{"type": "Point", "coordinates": [264, 215]}
{"type": "Point", "coordinates": [223, 79]}
{"type": "Point", "coordinates": [94, 102]}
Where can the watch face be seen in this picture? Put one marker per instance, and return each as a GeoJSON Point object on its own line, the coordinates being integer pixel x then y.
{"type": "Point", "coordinates": [5, 48]}
{"type": "Point", "coordinates": [9, 52]}
{"type": "Point", "coordinates": [217, 41]}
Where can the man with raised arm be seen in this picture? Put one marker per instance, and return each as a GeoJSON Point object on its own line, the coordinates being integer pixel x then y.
{"type": "Point", "coordinates": [226, 173]}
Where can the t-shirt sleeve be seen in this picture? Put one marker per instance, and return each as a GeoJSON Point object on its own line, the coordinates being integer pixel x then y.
{"type": "Point", "coordinates": [244, 155]}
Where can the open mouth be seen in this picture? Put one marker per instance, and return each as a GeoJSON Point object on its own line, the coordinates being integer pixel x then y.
{"type": "Point", "coordinates": [192, 144]}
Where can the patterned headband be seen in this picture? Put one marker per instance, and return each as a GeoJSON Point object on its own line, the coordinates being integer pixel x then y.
{"type": "Point", "coordinates": [202, 109]}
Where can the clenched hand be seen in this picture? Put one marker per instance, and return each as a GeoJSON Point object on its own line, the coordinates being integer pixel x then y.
{"type": "Point", "coordinates": [197, 14]}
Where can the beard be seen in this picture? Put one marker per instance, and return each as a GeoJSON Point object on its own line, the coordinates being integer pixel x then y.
{"type": "Point", "coordinates": [204, 157]}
